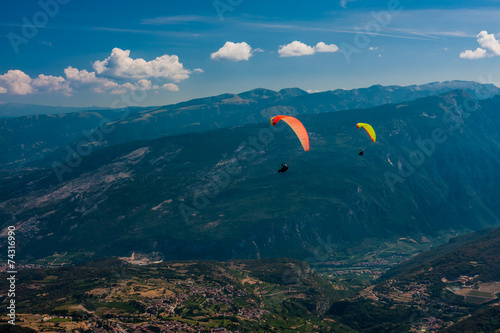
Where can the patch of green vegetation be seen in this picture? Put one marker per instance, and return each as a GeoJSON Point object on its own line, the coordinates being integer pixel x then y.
{"type": "Point", "coordinates": [61, 320]}
{"type": "Point", "coordinates": [366, 316]}
{"type": "Point", "coordinates": [119, 305]}
{"type": "Point", "coordinates": [49, 279]}
{"type": "Point", "coordinates": [480, 294]}
{"type": "Point", "coordinates": [486, 320]}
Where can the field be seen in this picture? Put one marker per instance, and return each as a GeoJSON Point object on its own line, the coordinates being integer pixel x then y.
{"type": "Point", "coordinates": [485, 292]}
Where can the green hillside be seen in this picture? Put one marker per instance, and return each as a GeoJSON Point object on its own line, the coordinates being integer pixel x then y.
{"type": "Point", "coordinates": [217, 195]}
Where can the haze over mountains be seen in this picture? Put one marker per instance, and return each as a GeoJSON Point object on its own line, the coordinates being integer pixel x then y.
{"type": "Point", "coordinates": [11, 110]}
{"type": "Point", "coordinates": [33, 138]}
{"type": "Point", "coordinates": [211, 191]}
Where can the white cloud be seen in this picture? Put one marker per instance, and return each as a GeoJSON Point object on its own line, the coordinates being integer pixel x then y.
{"type": "Point", "coordinates": [142, 84]}
{"type": "Point", "coordinates": [198, 70]}
{"type": "Point", "coordinates": [49, 83]}
{"type": "Point", "coordinates": [16, 82]}
{"type": "Point", "coordinates": [233, 52]}
{"type": "Point", "coordinates": [488, 42]}
{"type": "Point", "coordinates": [120, 65]}
{"type": "Point", "coordinates": [86, 79]}
{"type": "Point", "coordinates": [170, 86]}
{"type": "Point", "coordinates": [131, 72]}
{"type": "Point", "coordinates": [477, 54]}
{"type": "Point", "coordinates": [296, 49]}
{"type": "Point", "coordinates": [81, 76]}
{"type": "Point", "coordinates": [322, 47]}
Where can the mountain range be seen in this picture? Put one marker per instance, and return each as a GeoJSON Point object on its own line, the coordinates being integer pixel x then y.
{"type": "Point", "coordinates": [30, 140]}
{"type": "Point", "coordinates": [216, 194]}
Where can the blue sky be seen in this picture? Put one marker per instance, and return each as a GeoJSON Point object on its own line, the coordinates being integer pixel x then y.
{"type": "Point", "coordinates": [112, 54]}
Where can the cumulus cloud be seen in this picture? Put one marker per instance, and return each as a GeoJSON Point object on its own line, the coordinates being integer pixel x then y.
{"type": "Point", "coordinates": [489, 42]}
{"type": "Point", "coordinates": [170, 86]}
{"type": "Point", "coordinates": [322, 47]}
{"type": "Point", "coordinates": [86, 79]}
{"type": "Point", "coordinates": [117, 74]}
{"type": "Point", "coordinates": [49, 83]}
{"type": "Point", "coordinates": [17, 82]}
{"type": "Point", "coordinates": [233, 52]}
{"type": "Point", "coordinates": [490, 46]}
{"type": "Point", "coordinates": [296, 49]}
{"type": "Point", "coordinates": [120, 65]}
{"type": "Point", "coordinates": [477, 54]}
{"type": "Point", "coordinates": [143, 84]}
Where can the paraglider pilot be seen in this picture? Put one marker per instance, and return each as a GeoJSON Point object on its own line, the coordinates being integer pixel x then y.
{"type": "Point", "coordinates": [284, 167]}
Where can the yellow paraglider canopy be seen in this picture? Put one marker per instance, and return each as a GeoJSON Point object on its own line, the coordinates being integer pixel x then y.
{"type": "Point", "coordinates": [369, 130]}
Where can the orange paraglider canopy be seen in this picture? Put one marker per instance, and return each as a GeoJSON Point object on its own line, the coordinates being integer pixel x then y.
{"type": "Point", "coordinates": [296, 126]}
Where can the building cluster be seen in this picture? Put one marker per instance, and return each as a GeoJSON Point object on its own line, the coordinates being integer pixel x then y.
{"type": "Point", "coordinates": [255, 314]}
{"type": "Point", "coordinates": [153, 319]}
{"type": "Point", "coordinates": [430, 324]}
{"type": "Point", "coordinates": [357, 272]}
{"type": "Point", "coordinates": [153, 327]}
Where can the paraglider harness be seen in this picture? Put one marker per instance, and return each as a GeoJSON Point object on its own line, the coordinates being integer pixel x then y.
{"type": "Point", "coordinates": [284, 167]}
